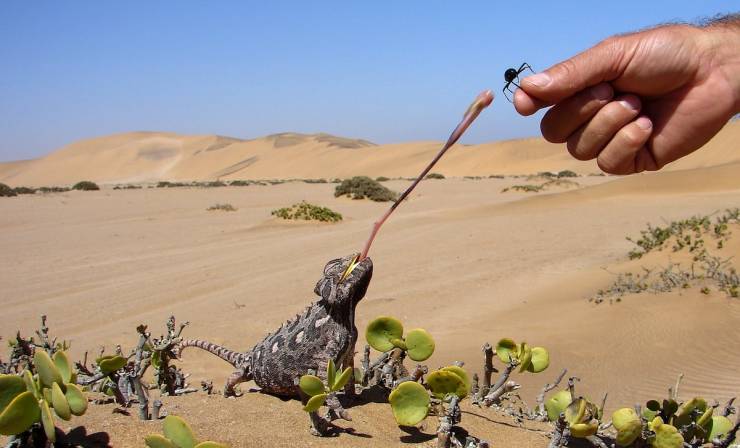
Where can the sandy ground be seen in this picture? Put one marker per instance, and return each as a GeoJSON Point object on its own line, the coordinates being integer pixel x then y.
{"type": "Point", "coordinates": [460, 259]}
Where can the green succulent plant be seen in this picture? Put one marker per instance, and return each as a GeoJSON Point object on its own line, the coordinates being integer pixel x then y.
{"type": "Point", "coordinates": [666, 436]}
{"type": "Point", "coordinates": [451, 380]}
{"type": "Point", "coordinates": [29, 399]}
{"type": "Point", "coordinates": [531, 359]}
{"type": "Point", "coordinates": [409, 403]}
{"type": "Point", "coordinates": [386, 333]}
{"type": "Point", "coordinates": [583, 418]}
{"type": "Point", "coordinates": [557, 404]}
{"type": "Point", "coordinates": [312, 385]}
{"type": "Point", "coordinates": [410, 400]}
{"type": "Point", "coordinates": [692, 420]}
{"type": "Point", "coordinates": [177, 434]}
{"type": "Point", "coordinates": [628, 425]}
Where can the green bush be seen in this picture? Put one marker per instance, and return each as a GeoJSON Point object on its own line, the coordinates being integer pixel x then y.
{"type": "Point", "coordinates": [567, 173]}
{"type": "Point", "coordinates": [86, 185]}
{"type": "Point", "coordinates": [308, 212]}
{"type": "Point", "coordinates": [53, 189]}
{"type": "Point", "coordinates": [6, 191]}
{"type": "Point", "coordinates": [240, 183]}
{"type": "Point", "coordinates": [525, 188]}
{"type": "Point", "coordinates": [435, 176]}
{"type": "Point", "coordinates": [24, 190]}
{"type": "Point", "coordinates": [361, 187]}
{"type": "Point", "coordinates": [315, 181]}
{"type": "Point", "coordinates": [222, 207]}
{"type": "Point", "coordinates": [382, 179]}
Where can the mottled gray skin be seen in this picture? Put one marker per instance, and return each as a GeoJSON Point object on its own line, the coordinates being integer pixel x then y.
{"type": "Point", "coordinates": [326, 330]}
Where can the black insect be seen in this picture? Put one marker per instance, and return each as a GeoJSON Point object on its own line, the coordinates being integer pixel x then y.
{"type": "Point", "coordinates": [511, 75]}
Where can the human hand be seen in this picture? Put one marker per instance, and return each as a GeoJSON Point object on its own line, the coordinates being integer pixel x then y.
{"type": "Point", "coordinates": [639, 101]}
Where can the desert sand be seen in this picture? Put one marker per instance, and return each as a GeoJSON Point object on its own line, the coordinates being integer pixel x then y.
{"type": "Point", "coordinates": [461, 259]}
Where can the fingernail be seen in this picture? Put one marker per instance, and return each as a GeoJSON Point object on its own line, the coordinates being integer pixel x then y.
{"type": "Point", "coordinates": [602, 92]}
{"type": "Point", "coordinates": [630, 103]}
{"type": "Point", "coordinates": [539, 80]}
{"type": "Point", "coordinates": [644, 123]}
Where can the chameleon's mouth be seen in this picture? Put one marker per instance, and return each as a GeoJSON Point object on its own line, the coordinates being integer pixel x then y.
{"type": "Point", "coordinates": [351, 267]}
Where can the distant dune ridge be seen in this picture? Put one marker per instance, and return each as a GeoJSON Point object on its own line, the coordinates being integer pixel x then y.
{"type": "Point", "coordinates": [154, 156]}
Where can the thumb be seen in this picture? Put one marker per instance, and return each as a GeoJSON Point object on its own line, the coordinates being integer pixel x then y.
{"type": "Point", "coordinates": [593, 66]}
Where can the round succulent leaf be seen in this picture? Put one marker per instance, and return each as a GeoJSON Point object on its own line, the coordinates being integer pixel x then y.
{"type": "Point", "coordinates": [685, 413]}
{"type": "Point", "coordinates": [111, 364]}
{"type": "Point", "coordinates": [459, 371]}
{"type": "Point", "coordinates": [525, 357]}
{"type": "Point", "coordinates": [179, 432]}
{"type": "Point", "coordinates": [19, 414]}
{"type": "Point", "coordinates": [76, 399]}
{"type": "Point", "coordinates": [721, 425]}
{"type": "Point", "coordinates": [47, 421]}
{"type": "Point", "coordinates": [583, 430]}
{"type": "Point", "coordinates": [653, 405]}
{"type": "Point", "coordinates": [59, 403]}
{"type": "Point", "coordinates": [443, 383]}
{"type": "Point", "coordinates": [48, 372]}
{"type": "Point", "coordinates": [419, 344]}
{"type": "Point", "coordinates": [506, 349]}
{"type": "Point", "coordinates": [666, 436]}
{"type": "Point", "coordinates": [311, 385]}
{"type": "Point", "coordinates": [314, 403]}
{"type": "Point", "coordinates": [381, 331]}
{"type": "Point", "coordinates": [331, 372]}
{"type": "Point", "coordinates": [409, 403]}
{"type": "Point", "coordinates": [10, 387]}
{"type": "Point", "coordinates": [158, 441]}
{"type": "Point", "coordinates": [342, 379]}
{"type": "Point", "coordinates": [576, 411]}
{"type": "Point", "coordinates": [557, 404]}
{"type": "Point", "coordinates": [61, 361]}
{"type": "Point", "coordinates": [210, 445]}
{"type": "Point", "coordinates": [628, 425]}
{"type": "Point", "coordinates": [540, 360]}
{"type": "Point", "coordinates": [669, 407]}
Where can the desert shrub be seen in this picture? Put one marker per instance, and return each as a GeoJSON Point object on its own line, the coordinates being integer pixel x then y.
{"type": "Point", "coordinates": [315, 181]}
{"type": "Point", "coordinates": [212, 184]}
{"type": "Point", "coordinates": [307, 212]}
{"type": "Point", "coordinates": [567, 173]}
{"type": "Point", "coordinates": [382, 179]}
{"type": "Point", "coordinates": [361, 187]}
{"type": "Point", "coordinates": [336, 180]}
{"type": "Point", "coordinates": [547, 174]}
{"type": "Point", "coordinates": [435, 176]}
{"type": "Point", "coordinates": [495, 176]}
{"type": "Point", "coordinates": [86, 185]}
{"type": "Point", "coordinates": [222, 207]}
{"type": "Point", "coordinates": [7, 191]}
{"type": "Point", "coordinates": [127, 187]}
{"type": "Point", "coordinates": [240, 183]}
{"type": "Point", "coordinates": [166, 184]}
{"type": "Point", "coordinates": [53, 189]}
{"type": "Point", "coordinates": [524, 188]}
{"type": "Point", "coordinates": [24, 190]}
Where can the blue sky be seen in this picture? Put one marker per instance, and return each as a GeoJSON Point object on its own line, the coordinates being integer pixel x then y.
{"type": "Point", "coordinates": [386, 71]}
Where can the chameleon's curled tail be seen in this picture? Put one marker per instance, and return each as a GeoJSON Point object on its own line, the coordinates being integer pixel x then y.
{"type": "Point", "coordinates": [234, 358]}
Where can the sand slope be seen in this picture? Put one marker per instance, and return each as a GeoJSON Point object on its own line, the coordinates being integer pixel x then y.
{"type": "Point", "coordinates": [154, 156]}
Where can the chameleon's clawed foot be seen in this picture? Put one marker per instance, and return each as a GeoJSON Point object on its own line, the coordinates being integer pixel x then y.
{"type": "Point", "coordinates": [336, 411]}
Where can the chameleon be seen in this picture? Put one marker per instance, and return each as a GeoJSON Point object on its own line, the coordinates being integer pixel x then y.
{"type": "Point", "coordinates": [325, 330]}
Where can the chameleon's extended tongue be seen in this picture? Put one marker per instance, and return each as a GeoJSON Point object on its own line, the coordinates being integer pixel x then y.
{"type": "Point", "coordinates": [483, 100]}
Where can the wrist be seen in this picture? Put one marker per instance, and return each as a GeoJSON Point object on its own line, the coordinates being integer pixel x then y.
{"type": "Point", "coordinates": [720, 42]}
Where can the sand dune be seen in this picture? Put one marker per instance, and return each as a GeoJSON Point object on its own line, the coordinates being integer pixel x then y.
{"type": "Point", "coordinates": [154, 156]}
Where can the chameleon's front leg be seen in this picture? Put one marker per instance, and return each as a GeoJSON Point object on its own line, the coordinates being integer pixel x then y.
{"type": "Point", "coordinates": [349, 361]}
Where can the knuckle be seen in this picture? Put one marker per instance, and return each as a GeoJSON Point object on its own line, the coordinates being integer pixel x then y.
{"type": "Point", "coordinates": [577, 150]}
{"type": "Point", "coordinates": [551, 130]}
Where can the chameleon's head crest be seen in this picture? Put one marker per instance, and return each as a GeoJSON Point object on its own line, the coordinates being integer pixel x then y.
{"type": "Point", "coordinates": [345, 279]}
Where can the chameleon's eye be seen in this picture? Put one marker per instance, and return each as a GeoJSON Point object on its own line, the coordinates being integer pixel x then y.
{"type": "Point", "coordinates": [331, 266]}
